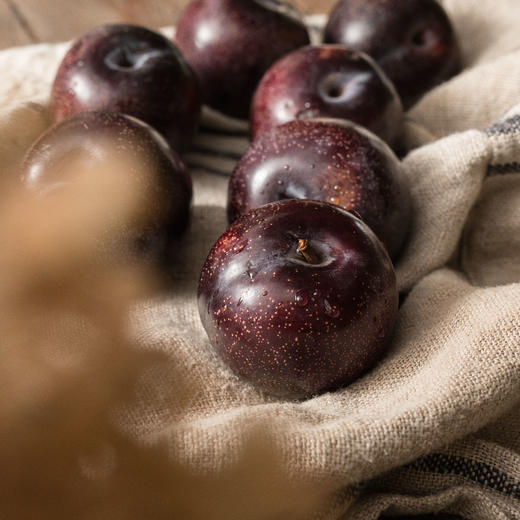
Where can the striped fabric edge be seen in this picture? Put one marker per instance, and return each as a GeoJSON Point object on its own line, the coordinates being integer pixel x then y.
{"type": "Point", "coordinates": [510, 125]}
{"type": "Point", "coordinates": [486, 471]}
{"type": "Point", "coordinates": [507, 129]}
{"type": "Point", "coordinates": [477, 472]}
{"type": "Point", "coordinates": [503, 169]}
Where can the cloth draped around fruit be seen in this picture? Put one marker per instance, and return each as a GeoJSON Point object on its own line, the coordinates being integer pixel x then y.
{"type": "Point", "coordinates": [164, 430]}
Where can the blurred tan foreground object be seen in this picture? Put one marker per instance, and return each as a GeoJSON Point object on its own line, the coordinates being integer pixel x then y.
{"type": "Point", "coordinates": [162, 429]}
{"type": "Point", "coordinates": [68, 362]}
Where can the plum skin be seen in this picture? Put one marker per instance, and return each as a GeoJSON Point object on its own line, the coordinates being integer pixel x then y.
{"type": "Point", "coordinates": [129, 69]}
{"type": "Point", "coordinates": [331, 161]}
{"type": "Point", "coordinates": [92, 140]}
{"type": "Point", "coordinates": [327, 81]}
{"type": "Point", "coordinates": [292, 328]}
{"type": "Point", "coordinates": [412, 40]}
{"type": "Point", "coordinates": [231, 43]}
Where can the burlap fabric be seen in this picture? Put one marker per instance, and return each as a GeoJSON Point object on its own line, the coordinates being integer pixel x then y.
{"type": "Point", "coordinates": [435, 427]}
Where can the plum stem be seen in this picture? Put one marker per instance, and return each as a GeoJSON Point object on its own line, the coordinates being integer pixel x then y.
{"type": "Point", "coordinates": [306, 252]}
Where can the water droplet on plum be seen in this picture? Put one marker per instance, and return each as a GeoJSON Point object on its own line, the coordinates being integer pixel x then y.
{"type": "Point", "coordinates": [330, 310]}
{"type": "Point", "coordinates": [249, 272]}
{"type": "Point", "coordinates": [239, 246]}
{"type": "Point", "coordinates": [301, 297]}
{"type": "Point", "coordinates": [307, 113]}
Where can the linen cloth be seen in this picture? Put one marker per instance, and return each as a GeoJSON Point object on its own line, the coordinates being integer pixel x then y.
{"type": "Point", "coordinates": [435, 426]}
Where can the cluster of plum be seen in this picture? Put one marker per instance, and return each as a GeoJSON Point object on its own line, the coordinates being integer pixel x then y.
{"type": "Point", "coordinates": [299, 294]}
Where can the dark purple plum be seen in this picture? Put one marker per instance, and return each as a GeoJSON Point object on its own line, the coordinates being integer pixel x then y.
{"type": "Point", "coordinates": [331, 161]}
{"type": "Point", "coordinates": [327, 81]}
{"type": "Point", "coordinates": [129, 69]}
{"type": "Point", "coordinates": [412, 40]}
{"type": "Point", "coordinates": [93, 142]}
{"type": "Point", "coordinates": [299, 298]}
{"type": "Point", "coordinates": [231, 43]}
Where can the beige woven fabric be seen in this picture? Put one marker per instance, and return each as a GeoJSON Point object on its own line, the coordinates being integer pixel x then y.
{"type": "Point", "coordinates": [450, 385]}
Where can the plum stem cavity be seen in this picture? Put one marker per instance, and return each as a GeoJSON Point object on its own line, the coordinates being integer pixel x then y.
{"type": "Point", "coordinates": [125, 58]}
{"type": "Point", "coordinates": [335, 91]}
{"type": "Point", "coordinates": [307, 253]}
